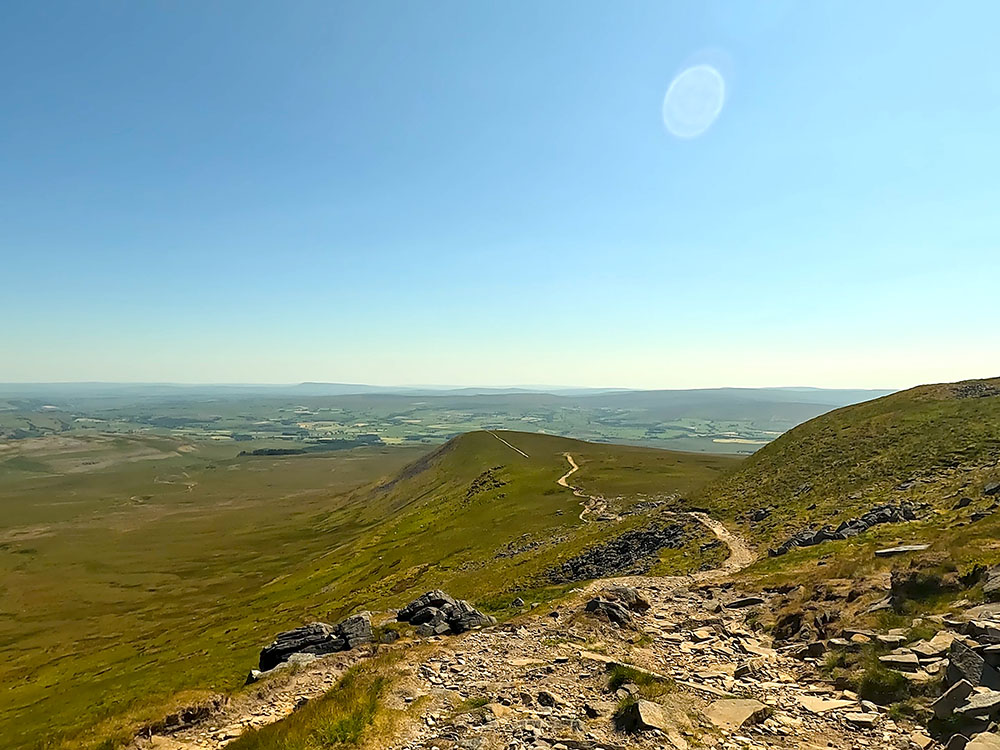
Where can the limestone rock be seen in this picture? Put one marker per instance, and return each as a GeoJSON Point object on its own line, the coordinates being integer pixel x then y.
{"type": "Point", "coordinates": [936, 646]}
{"type": "Point", "coordinates": [966, 664]}
{"type": "Point", "coordinates": [734, 713]}
{"type": "Point", "coordinates": [907, 662]}
{"type": "Point", "coordinates": [437, 613]}
{"type": "Point", "coordinates": [951, 699]}
{"type": "Point", "coordinates": [818, 705]}
{"type": "Point", "coordinates": [628, 597]}
{"type": "Point", "coordinates": [864, 720]}
{"type": "Point", "coordinates": [642, 715]}
{"type": "Point", "coordinates": [980, 704]}
{"type": "Point", "coordinates": [435, 598]}
{"type": "Point", "coordinates": [613, 611]}
{"type": "Point", "coordinates": [878, 515]}
{"type": "Point", "coordinates": [317, 639]}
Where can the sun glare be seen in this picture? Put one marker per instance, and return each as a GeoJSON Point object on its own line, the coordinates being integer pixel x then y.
{"type": "Point", "coordinates": [693, 101]}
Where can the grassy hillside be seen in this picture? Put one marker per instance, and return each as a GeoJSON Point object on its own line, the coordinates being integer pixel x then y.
{"type": "Point", "coordinates": [141, 569]}
{"type": "Point", "coordinates": [933, 444]}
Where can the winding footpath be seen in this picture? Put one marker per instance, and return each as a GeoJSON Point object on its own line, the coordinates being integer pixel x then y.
{"type": "Point", "coordinates": [592, 504]}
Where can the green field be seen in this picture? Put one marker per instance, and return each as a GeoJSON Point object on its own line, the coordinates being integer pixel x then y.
{"type": "Point", "coordinates": [134, 567]}
{"type": "Point", "coordinates": [716, 421]}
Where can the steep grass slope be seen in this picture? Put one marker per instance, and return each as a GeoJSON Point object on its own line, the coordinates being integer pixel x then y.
{"type": "Point", "coordinates": [933, 444]}
{"type": "Point", "coordinates": [476, 516]}
{"type": "Point", "coordinates": [929, 443]}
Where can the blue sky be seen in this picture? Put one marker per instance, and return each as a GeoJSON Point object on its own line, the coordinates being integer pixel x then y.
{"type": "Point", "coordinates": [486, 193]}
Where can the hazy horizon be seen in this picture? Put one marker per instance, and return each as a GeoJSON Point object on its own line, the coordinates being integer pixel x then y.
{"type": "Point", "coordinates": [429, 386]}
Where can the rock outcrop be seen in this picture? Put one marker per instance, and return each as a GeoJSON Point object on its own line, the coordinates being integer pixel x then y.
{"type": "Point", "coordinates": [633, 553]}
{"type": "Point", "coordinates": [437, 613]}
{"type": "Point", "coordinates": [317, 638]}
{"type": "Point", "coordinates": [888, 513]}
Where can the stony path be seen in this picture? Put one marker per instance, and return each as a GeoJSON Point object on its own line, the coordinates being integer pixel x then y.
{"type": "Point", "coordinates": [513, 448]}
{"type": "Point", "coordinates": [741, 554]}
{"type": "Point", "coordinates": [544, 682]}
{"type": "Point", "coordinates": [543, 677]}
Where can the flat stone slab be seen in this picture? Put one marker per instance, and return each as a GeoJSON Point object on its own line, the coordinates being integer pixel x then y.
{"type": "Point", "coordinates": [901, 550]}
{"type": "Point", "coordinates": [983, 610]}
{"type": "Point", "coordinates": [891, 640]}
{"type": "Point", "coordinates": [907, 662]}
{"type": "Point", "coordinates": [936, 646]}
{"type": "Point", "coordinates": [980, 704]}
{"type": "Point", "coordinates": [746, 601]}
{"type": "Point", "coordinates": [818, 705]}
{"type": "Point", "coordinates": [594, 656]}
{"type": "Point", "coordinates": [736, 712]}
{"type": "Point", "coordinates": [867, 721]}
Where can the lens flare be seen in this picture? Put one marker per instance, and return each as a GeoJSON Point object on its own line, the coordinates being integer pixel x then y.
{"type": "Point", "coordinates": [693, 101]}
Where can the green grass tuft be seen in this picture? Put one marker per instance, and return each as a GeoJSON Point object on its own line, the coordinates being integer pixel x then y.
{"type": "Point", "coordinates": [650, 686]}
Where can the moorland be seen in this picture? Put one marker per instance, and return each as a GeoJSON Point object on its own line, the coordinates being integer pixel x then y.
{"type": "Point", "coordinates": [142, 570]}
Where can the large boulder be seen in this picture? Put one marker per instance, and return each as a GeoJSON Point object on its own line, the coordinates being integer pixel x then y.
{"type": "Point", "coordinates": [428, 616]}
{"type": "Point", "coordinates": [356, 630]}
{"type": "Point", "coordinates": [612, 611]}
{"type": "Point", "coordinates": [628, 597]}
{"type": "Point", "coordinates": [642, 715]}
{"type": "Point", "coordinates": [317, 638]}
{"type": "Point", "coordinates": [466, 617]}
{"type": "Point", "coordinates": [314, 638]}
{"type": "Point", "coordinates": [966, 664]}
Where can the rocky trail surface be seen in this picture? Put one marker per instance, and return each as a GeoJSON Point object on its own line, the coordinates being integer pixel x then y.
{"type": "Point", "coordinates": [542, 681]}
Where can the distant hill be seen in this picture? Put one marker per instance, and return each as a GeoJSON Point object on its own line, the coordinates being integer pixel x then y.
{"type": "Point", "coordinates": [829, 396]}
